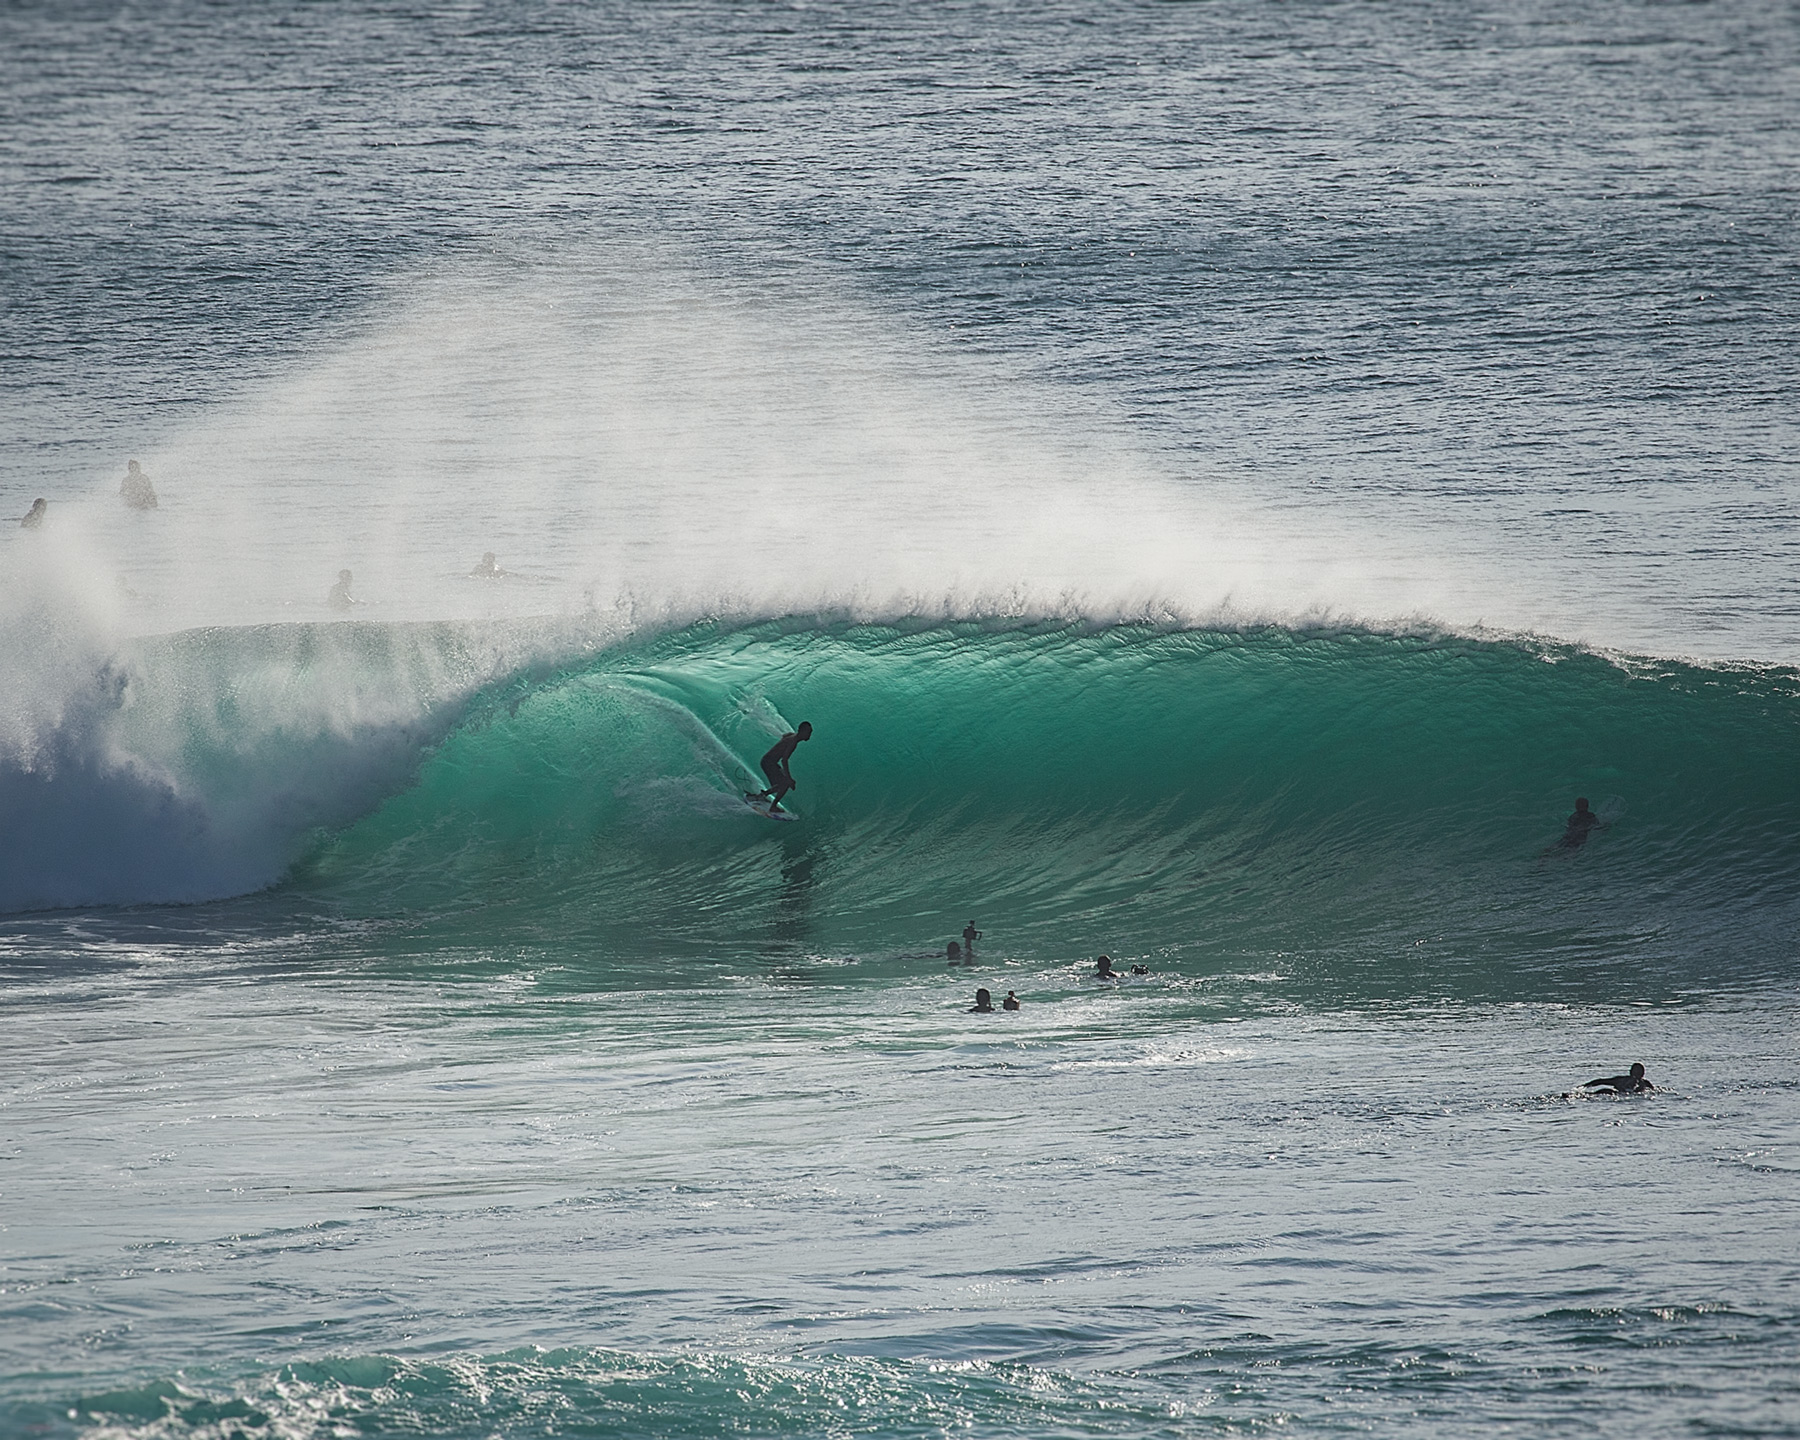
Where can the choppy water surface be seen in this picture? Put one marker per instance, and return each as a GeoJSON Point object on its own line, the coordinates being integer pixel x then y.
{"type": "Point", "coordinates": [507, 1199]}
{"type": "Point", "coordinates": [1221, 479]}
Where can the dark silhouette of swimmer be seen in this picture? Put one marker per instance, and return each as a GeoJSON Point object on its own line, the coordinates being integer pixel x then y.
{"type": "Point", "coordinates": [1103, 969]}
{"type": "Point", "coordinates": [1581, 825]}
{"type": "Point", "coordinates": [1632, 1084]}
{"type": "Point", "coordinates": [775, 766]}
{"type": "Point", "coordinates": [487, 569]}
{"type": "Point", "coordinates": [136, 490]}
{"type": "Point", "coordinates": [953, 953]}
{"type": "Point", "coordinates": [970, 936]}
{"type": "Point", "coordinates": [1011, 1002]}
{"type": "Point", "coordinates": [34, 517]}
{"type": "Point", "coordinates": [984, 1004]}
{"type": "Point", "coordinates": [339, 598]}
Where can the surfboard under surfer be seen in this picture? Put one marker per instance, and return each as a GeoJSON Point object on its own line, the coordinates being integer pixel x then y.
{"type": "Point", "coordinates": [1633, 1084]}
{"type": "Point", "coordinates": [775, 766]}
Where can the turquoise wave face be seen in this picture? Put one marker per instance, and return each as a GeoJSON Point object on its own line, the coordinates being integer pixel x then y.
{"type": "Point", "coordinates": [1373, 811]}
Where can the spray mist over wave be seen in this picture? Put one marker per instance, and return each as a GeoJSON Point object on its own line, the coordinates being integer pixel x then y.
{"type": "Point", "coordinates": [632, 431]}
{"type": "Point", "coordinates": [641, 448]}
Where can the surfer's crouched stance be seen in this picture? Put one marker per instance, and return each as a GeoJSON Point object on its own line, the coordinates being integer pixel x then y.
{"type": "Point", "coordinates": [775, 766]}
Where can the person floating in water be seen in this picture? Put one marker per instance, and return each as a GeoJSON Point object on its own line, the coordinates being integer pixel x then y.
{"type": "Point", "coordinates": [1581, 825]}
{"type": "Point", "coordinates": [487, 569]}
{"type": "Point", "coordinates": [339, 598]}
{"type": "Point", "coordinates": [1011, 1002]}
{"type": "Point", "coordinates": [1632, 1084]}
{"type": "Point", "coordinates": [1103, 969]}
{"type": "Point", "coordinates": [984, 1004]}
{"type": "Point", "coordinates": [775, 766]}
{"type": "Point", "coordinates": [34, 517]}
{"type": "Point", "coordinates": [135, 489]}
{"type": "Point", "coordinates": [953, 953]}
{"type": "Point", "coordinates": [970, 936]}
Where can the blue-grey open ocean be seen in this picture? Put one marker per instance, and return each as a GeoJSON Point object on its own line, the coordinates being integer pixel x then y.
{"type": "Point", "coordinates": [1222, 479]}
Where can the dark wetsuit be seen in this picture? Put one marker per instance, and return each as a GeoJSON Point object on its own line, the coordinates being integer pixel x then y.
{"type": "Point", "coordinates": [1581, 824]}
{"type": "Point", "coordinates": [775, 766]}
{"type": "Point", "coordinates": [1621, 1084]}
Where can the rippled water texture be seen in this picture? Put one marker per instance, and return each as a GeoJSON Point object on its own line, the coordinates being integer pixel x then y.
{"type": "Point", "coordinates": [1221, 478]}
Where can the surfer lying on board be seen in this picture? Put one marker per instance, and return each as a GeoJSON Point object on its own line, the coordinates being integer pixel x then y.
{"type": "Point", "coordinates": [1632, 1084]}
{"type": "Point", "coordinates": [1103, 969]}
{"type": "Point", "coordinates": [775, 766]}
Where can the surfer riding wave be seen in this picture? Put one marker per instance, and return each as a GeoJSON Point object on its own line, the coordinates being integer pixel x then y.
{"type": "Point", "coordinates": [775, 767]}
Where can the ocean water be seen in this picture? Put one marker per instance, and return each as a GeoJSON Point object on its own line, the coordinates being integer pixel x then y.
{"type": "Point", "coordinates": [1220, 478]}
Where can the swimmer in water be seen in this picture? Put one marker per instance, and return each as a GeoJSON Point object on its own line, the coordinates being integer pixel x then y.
{"type": "Point", "coordinates": [970, 936]}
{"type": "Point", "coordinates": [953, 954]}
{"type": "Point", "coordinates": [1011, 1002]}
{"type": "Point", "coordinates": [339, 598]}
{"type": "Point", "coordinates": [487, 569]}
{"type": "Point", "coordinates": [1581, 825]}
{"type": "Point", "coordinates": [135, 489]}
{"type": "Point", "coordinates": [984, 1004]}
{"type": "Point", "coordinates": [1103, 969]}
{"type": "Point", "coordinates": [1632, 1084]}
{"type": "Point", "coordinates": [34, 517]}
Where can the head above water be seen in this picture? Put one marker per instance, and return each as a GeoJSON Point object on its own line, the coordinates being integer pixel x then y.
{"type": "Point", "coordinates": [1637, 1070]}
{"type": "Point", "coordinates": [983, 1000]}
{"type": "Point", "coordinates": [132, 466]}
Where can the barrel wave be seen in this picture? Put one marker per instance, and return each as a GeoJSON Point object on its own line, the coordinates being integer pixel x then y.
{"type": "Point", "coordinates": [1371, 813]}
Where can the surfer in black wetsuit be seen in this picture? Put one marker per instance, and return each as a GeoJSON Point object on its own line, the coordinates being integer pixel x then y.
{"type": "Point", "coordinates": [1632, 1084]}
{"type": "Point", "coordinates": [1581, 825]}
{"type": "Point", "coordinates": [1103, 969]}
{"type": "Point", "coordinates": [775, 766]}
{"type": "Point", "coordinates": [970, 936]}
{"type": "Point", "coordinates": [1011, 1002]}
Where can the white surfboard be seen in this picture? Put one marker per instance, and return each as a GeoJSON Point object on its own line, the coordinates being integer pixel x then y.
{"type": "Point", "coordinates": [761, 807]}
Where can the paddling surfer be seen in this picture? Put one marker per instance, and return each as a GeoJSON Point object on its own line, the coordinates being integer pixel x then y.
{"type": "Point", "coordinates": [775, 766]}
{"type": "Point", "coordinates": [1632, 1084]}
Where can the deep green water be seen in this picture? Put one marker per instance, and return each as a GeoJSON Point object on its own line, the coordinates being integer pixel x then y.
{"type": "Point", "coordinates": [1312, 796]}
